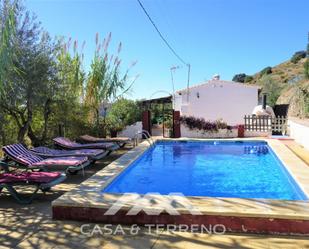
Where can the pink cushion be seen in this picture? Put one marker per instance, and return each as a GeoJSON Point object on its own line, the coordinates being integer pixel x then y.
{"type": "Point", "coordinates": [37, 177]}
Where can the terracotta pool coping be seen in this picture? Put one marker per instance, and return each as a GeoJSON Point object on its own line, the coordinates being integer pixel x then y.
{"type": "Point", "coordinates": [88, 195]}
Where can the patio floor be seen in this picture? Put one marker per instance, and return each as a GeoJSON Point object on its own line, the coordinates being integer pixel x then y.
{"type": "Point", "coordinates": [31, 226]}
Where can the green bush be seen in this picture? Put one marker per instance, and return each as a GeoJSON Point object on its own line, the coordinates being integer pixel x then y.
{"type": "Point", "coordinates": [306, 65]}
{"type": "Point", "coordinates": [266, 70]}
{"type": "Point", "coordinates": [272, 88]}
{"type": "Point", "coordinates": [201, 124]}
{"type": "Point", "coordinates": [306, 68]}
{"type": "Point", "coordinates": [248, 78]}
{"type": "Point", "coordinates": [239, 77]}
{"type": "Point", "coordinates": [298, 56]}
{"type": "Point", "coordinates": [123, 112]}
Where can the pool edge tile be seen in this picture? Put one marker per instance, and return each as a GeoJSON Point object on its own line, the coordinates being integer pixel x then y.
{"type": "Point", "coordinates": [88, 195]}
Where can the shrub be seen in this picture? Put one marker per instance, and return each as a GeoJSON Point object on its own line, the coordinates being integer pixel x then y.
{"type": "Point", "coordinates": [306, 68]}
{"type": "Point", "coordinates": [306, 65]}
{"type": "Point", "coordinates": [266, 70]}
{"type": "Point", "coordinates": [239, 77]}
{"type": "Point", "coordinates": [248, 78]}
{"type": "Point", "coordinates": [272, 88]}
{"type": "Point", "coordinates": [298, 56]}
{"type": "Point", "coordinates": [123, 112]}
{"type": "Point", "coordinates": [201, 124]}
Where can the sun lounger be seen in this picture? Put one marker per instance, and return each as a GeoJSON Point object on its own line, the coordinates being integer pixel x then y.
{"type": "Point", "coordinates": [121, 141]}
{"type": "Point", "coordinates": [24, 157]}
{"type": "Point", "coordinates": [70, 145]}
{"type": "Point", "coordinates": [92, 154]}
{"type": "Point", "coordinates": [40, 180]}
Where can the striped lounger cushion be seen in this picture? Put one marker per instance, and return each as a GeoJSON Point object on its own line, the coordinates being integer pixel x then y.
{"type": "Point", "coordinates": [91, 139]}
{"type": "Point", "coordinates": [67, 143]}
{"type": "Point", "coordinates": [22, 155]}
{"type": "Point", "coordinates": [47, 152]}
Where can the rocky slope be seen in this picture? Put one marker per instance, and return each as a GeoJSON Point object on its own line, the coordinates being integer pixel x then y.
{"type": "Point", "coordinates": [293, 87]}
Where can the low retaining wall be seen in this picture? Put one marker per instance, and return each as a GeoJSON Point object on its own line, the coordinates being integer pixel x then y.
{"type": "Point", "coordinates": [299, 130]}
{"type": "Point", "coordinates": [257, 134]}
{"type": "Point", "coordinates": [224, 133]}
{"type": "Point", "coordinates": [233, 224]}
{"type": "Point", "coordinates": [195, 133]}
{"type": "Point", "coordinates": [131, 130]}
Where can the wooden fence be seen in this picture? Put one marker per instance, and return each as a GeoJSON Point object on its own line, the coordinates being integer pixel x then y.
{"type": "Point", "coordinates": [266, 124]}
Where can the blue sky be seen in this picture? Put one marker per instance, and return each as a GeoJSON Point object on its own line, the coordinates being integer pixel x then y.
{"type": "Point", "coordinates": [214, 36]}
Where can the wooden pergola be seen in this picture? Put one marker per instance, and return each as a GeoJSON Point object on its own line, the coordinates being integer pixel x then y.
{"type": "Point", "coordinates": [162, 100]}
{"type": "Point", "coordinates": [147, 105]}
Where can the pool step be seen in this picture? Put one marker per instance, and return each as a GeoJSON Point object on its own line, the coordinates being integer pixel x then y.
{"type": "Point", "coordinates": [258, 150]}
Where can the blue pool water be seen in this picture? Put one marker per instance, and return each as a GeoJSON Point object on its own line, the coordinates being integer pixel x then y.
{"type": "Point", "coordinates": [212, 168]}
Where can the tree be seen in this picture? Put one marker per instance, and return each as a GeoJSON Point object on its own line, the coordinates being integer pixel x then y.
{"type": "Point", "coordinates": [105, 83]}
{"type": "Point", "coordinates": [248, 78]}
{"type": "Point", "coordinates": [266, 70]}
{"type": "Point", "coordinates": [239, 77]}
{"type": "Point", "coordinates": [271, 88]}
{"type": "Point", "coordinates": [71, 82]}
{"type": "Point", "coordinates": [297, 56]}
{"type": "Point", "coordinates": [123, 112]}
{"type": "Point", "coordinates": [71, 73]}
{"type": "Point", "coordinates": [32, 86]}
{"type": "Point", "coordinates": [7, 34]}
{"type": "Point", "coordinates": [43, 82]}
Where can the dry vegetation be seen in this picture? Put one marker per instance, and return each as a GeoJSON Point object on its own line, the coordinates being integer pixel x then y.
{"type": "Point", "coordinates": [294, 87]}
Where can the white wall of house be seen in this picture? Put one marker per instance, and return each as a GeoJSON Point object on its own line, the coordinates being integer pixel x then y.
{"type": "Point", "coordinates": [217, 99]}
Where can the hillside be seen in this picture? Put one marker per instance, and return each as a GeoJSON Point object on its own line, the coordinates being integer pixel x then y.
{"type": "Point", "coordinates": [284, 72]}
{"type": "Point", "coordinates": [290, 86]}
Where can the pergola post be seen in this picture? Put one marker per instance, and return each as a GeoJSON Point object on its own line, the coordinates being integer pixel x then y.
{"type": "Point", "coordinates": [146, 121]}
{"type": "Point", "coordinates": [176, 124]}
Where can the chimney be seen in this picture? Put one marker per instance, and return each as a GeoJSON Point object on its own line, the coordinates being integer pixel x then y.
{"type": "Point", "coordinates": [216, 77]}
{"type": "Point", "coordinates": [264, 101]}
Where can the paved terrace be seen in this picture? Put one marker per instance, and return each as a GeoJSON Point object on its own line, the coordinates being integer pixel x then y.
{"type": "Point", "coordinates": [31, 226]}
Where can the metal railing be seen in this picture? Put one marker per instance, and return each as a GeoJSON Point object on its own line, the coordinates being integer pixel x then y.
{"type": "Point", "coordinates": [147, 136]}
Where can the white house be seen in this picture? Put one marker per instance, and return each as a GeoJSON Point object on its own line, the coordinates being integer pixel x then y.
{"type": "Point", "coordinates": [218, 99]}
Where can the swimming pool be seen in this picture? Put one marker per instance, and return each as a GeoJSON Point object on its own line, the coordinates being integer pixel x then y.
{"type": "Point", "coordinates": [246, 169]}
